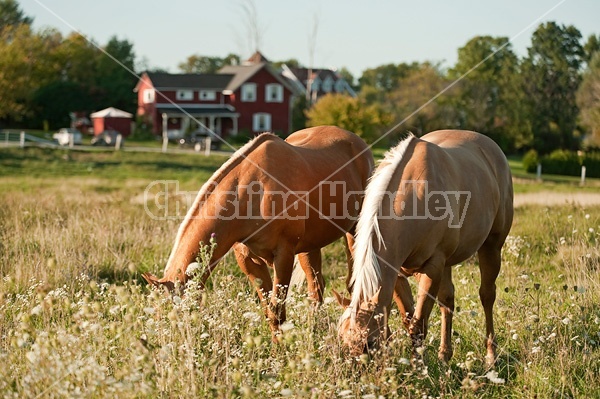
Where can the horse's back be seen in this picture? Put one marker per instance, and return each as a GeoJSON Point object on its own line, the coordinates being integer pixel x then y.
{"type": "Point", "coordinates": [334, 154]}
{"type": "Point", "coordinates": [484, 169]}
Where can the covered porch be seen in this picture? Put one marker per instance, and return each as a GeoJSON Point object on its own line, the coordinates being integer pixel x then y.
{"type": "Point", "coordinates": [180, 121]}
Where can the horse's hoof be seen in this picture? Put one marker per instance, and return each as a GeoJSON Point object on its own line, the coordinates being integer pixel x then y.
{"type": "Point", "coordinates": [445, 355]}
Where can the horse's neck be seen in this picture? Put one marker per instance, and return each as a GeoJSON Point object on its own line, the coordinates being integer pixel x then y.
{"type": "Point", "coordinates": [199, 227]}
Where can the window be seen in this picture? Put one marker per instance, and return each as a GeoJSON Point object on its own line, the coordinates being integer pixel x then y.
{"type": "Point", "coordinates": [274, 93]}
{"type": "Point", "coordinates": [207, 95]}
{"type": "Point", "coordinates": [327, 84]}
{"type": "Point", "coordinates": [249, 92]}
{"type": "Point", "coordinates": [261, 122]}
{"type": "Point", "coordinates": [148, 96]}
{"type": "Point", "coordinates": [340, 86]}
{"type": "Point", "coordinates": [185, 95]}
{"type": "Point", "coordinates": [315, 85]}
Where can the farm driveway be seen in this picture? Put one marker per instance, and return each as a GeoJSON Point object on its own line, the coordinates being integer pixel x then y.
{"type": "Point", "coordinates": [550, 198]}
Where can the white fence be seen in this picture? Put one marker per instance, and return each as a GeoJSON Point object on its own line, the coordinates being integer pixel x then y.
{"type": "Point", "coordinates": [22, 139]}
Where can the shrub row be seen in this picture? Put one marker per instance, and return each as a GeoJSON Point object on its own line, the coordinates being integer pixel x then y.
{"type": "Point", "coordinates": [562, 162]}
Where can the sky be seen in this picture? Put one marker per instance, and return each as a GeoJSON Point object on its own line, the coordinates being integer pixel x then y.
{"type": "Point", "coordinates": [353, 34]}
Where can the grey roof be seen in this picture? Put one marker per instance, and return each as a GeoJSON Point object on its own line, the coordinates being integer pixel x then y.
{"type": "Point", "coordinates": [244, 72]}
{"type": "Point", "coordinates": [217, 81]}
{"type": "Point", "coordinates": [241, 73]}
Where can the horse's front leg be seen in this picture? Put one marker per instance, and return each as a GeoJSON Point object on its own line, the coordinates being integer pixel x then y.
{"type": "Point", "coordinates": [257, 271]}
{"type": "Point", "coordinates": [311, 264]}
{"type": "Point", "coordinates": [283, 264]}
{"type": "Point", "coordinates": [349, 248]}
{"type": "Point", "coordinates": [404, 299]}
{"type": "Point", "coordinates": [429, 277]}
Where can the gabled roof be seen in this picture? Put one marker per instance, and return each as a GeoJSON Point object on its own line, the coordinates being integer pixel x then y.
{"type": "Point", "coordinates": [256, 58]}
{"type": "Point", "coordinates": [111, 112]}
{"type": "Point", "coordinates": [242, 73]}
{"type": "Point", "coordinates": [215, 81]}
{"type": "Point", "coordinates": [301, 76]}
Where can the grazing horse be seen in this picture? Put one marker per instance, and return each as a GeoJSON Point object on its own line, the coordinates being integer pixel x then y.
{"type": "Point", "coordinates": [432, 203]}
{"type": "Point", "coordinates": [272, 200]}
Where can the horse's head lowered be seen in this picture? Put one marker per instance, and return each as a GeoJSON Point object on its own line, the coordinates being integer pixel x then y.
{"type": "Point", "coordinates": [361, 328]}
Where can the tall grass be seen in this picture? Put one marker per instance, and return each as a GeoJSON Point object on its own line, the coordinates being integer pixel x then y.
{"type": "Point", "coordinates": [78, 322]}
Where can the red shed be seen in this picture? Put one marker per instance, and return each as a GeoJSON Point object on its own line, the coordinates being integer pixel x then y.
{"type": "Point", "coordinates": [112, 119]}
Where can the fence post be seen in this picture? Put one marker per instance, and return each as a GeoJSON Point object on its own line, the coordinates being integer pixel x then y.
{"type": "Point", "coordinates": [165, 132]}
{"type": "Point", "coordinates": [207, 146]}
{"type": "Point", "coordinates": [582, 176]}
{"type": "Point", "coordinates": [118, 142]}
{"type": "Point", "coordinates": [22, 139]}
{"type": "Point", "coordinates": [538, 173]}
{"type": "Point", "coordinates": [71, 140]}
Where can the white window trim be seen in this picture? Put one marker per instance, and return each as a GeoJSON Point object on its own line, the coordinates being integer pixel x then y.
{"type": "Point", "coordinates": [207, 95]}
{"type": "Point", "coordinates": [245, 92]}
{"type": "Point", "coordinates": [184, 95]}
{"type": "Point", "coordinates": [274, 87]}
{"type": "Point", "coordinates": [148, 96]}
{"type": "Point", "coordinates": [256, 122]}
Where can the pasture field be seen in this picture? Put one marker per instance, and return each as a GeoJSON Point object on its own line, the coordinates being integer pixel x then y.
{"type": "Point", "coordinates": [78, 321]}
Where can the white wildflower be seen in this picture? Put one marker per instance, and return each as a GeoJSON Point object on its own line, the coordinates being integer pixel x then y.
{"type": "Point", "coordinates": [404, 361]}
{"type": "Point", "coordinates": [36, 311]}
{"type": "Point", "coordinates": [251, 316]}
{"type": "Point", "coordinates": [192, 268]}
{"type": "Point", "coordinates": [587, 215]}
{"type": "Point", "coordinates": [492, 375]}
{"type": "Point", "coordinates": [287, 326]}
{"type": "Point", "coordinates": [566, 320]}
{"type": "Point", "coordinates": [536, 349]}
{"type": "Point", "coordinates": [149, 310]}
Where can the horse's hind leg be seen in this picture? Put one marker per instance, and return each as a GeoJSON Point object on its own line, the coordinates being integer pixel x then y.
{"type": "Point", "coordinates": [311, 264]}
{"type": "Point", "coordinates": [489, 265]}
{"type": "Point", "coordinates": [446, 301]}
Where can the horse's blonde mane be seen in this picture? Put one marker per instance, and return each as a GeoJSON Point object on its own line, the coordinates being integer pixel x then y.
{"type": "Point", "coordinates": [213, 181]}
{"type": "Point", "coordinates": [366, 275]}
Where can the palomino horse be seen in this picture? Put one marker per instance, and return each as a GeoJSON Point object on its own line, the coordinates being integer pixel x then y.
{"type": "Point", "coordinates": [274, 199]}
{"type": "Point", "coordinates": [432, 203]}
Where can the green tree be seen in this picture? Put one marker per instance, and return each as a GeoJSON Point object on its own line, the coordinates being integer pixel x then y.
{"type": "Point", "coordinates": [376, 83]}
{"type": "Point", "coordinates": [291, 63]}
{"type": "Point", "coordinates": [591, 47]}
{"type": "Point", "coordinates": [202, 64]}
{"type": "Point", "coordinates": [348, 113]}
{"type": "Point", "coordinates": [11, 15]}
{"type": "Point", "coordinates": [415, 91]}
{"type": "Point", "coordinates": [551, 76]}
{"type": "Point", "coordinates": [588, 99]}
{"type": "Point", "coordinates": [115, 78]}
{"type": "Point", "coordinates": [26, 63]}
{"type": "Point", "coordinates": [486, 97]}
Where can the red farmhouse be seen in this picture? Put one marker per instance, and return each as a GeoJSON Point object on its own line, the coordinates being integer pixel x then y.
{"type": "Point", "coordinates": [251, 98]}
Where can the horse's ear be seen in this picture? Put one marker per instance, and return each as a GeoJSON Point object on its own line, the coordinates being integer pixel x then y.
{"type": "Point", "coordinates": [154, 281]}
{"type": "Point", "coordinates": [344, 302]}
{"type": "Point", "coordinates": [151, 279]}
